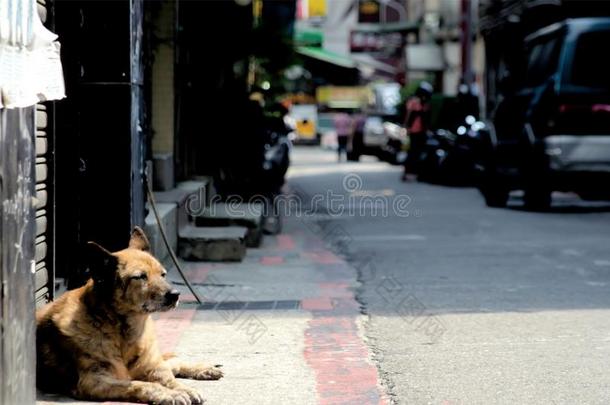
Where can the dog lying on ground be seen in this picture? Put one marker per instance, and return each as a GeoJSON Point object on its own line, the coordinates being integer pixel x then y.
{"type": "Point", "coordinates": [98, 342]}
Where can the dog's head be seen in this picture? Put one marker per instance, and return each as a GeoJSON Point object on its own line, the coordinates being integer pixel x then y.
{"type": "Point", "coordinates": [132, 278]}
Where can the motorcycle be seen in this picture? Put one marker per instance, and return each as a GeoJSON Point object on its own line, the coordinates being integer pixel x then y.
{"type": "Point", "coordinates": [451, 158]}
{"type": "Point", "coordinates": [259, 173]}
{"type": "Point", "coordinates": [432, 160]}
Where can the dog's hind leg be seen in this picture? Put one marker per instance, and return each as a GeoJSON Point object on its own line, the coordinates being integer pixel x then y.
{"type": "Point", "coordinates": [96, 386]}
{"type": "Point", "coordinates": [194, 371]}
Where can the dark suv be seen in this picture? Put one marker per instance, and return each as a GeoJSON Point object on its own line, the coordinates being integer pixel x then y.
{"type": "Point", "coordinates": [550, 131]}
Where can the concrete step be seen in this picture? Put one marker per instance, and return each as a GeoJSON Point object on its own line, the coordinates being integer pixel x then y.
{"type": "Point", "coordinates": [190, 196]}
{"type": "Point", "coordinates": [217, 244]}
{"type": "Point", "coordinates": [169, 218]}
{"type": "Point", "coordinates": [248, 215]}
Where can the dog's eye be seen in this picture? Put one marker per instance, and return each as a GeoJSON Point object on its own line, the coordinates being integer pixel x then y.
{"type": "Point", "coordinates": [142, 276]}
{"type": "Point", "coordinates": [163, 275]}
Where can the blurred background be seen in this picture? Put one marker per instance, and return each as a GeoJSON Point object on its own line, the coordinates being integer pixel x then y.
{"type": "Point", "coordinates": [205, 88]}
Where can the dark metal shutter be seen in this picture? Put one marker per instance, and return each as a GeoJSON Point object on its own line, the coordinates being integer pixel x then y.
{"type": "Point", "coordinates": [44, 256]}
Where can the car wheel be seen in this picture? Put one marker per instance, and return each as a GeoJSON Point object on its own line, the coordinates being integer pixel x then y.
{"type": "Point", "coordinates": [537, 199]}
{"type": "Point", "coordinates": [494, 190]}
{"type": "Point", "coordinates": [495, 196]}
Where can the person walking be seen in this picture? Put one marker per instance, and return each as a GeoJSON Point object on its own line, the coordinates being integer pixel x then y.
{"type": "Point", "coordinates": [417, 123]}
{"type": "Point", "coordinates": [356, 146]}
{"type": "Point", "coordinates": [344, 128]}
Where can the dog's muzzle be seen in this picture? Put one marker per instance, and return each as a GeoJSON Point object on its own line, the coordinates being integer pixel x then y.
{"type": "Point", "coordinates": [171, 297]}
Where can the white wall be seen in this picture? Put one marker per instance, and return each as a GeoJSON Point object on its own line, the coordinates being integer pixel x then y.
{"type": "Point", "coordinates": [336, 28]}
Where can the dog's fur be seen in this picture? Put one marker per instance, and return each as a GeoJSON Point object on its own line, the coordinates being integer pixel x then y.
{"type": "Point", "coordinates": [98, 342]}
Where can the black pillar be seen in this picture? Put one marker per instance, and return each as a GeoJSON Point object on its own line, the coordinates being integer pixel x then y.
{"type": "Point", "coordinates": [99, 137]}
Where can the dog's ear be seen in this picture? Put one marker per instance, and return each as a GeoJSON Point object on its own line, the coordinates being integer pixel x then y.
{"type": "Point", "coordinates": [139, 240]}
{"type": "Point", "coordinates": [102, 263]}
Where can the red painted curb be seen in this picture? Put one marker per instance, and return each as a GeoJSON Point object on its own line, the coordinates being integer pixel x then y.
{"type": "Point", "coordinates": [333, 347]}
{"type": "Point", "coordinates": [317, 304]}
{"type": "Point", "coordinates": [322, 257]}
{"type": "Point", "coordinates": [271, 260]}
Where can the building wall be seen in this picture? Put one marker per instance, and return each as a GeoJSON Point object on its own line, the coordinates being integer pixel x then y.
{"type": "Point", "coordinates": [339, 22]}
{"type": "Point", "coordinates": [453, 59]}
{"type": "Point", "coordinates": [441, 24]}
{"type": "Point", "coordinates": [163, 81]}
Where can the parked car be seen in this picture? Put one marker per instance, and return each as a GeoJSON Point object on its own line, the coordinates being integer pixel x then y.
{"type": "Point", "coordinates": [373, 134]}
{"type": "Point", "coordinates": [551, 129]}
{"type": "Point", "coordinates": [383, 139]}
{"type": "Point", "coordinates": [379, 135]}
{"type": "Point", "coordinates": [395, 149]}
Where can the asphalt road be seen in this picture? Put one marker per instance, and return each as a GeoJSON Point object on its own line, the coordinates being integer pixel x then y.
{"type": "Point", "coordinates": [469, 304]}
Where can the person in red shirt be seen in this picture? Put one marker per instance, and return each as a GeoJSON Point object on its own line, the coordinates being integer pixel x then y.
{"type": "Point", "coordinates": [417, 122]}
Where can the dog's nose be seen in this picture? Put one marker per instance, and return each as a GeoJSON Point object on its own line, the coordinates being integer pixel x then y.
{"type": "Point", "coordinates": [172, 296]}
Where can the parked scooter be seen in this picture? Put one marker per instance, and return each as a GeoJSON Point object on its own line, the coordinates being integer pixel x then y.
{"type": "Point", "coordinates": [452, 158]}
{"type": "Point", "coordinates": [261, 176]}
{"type": "Point", "coordinates": [394, 150]}
{"type": "Point", "coordinates": [275, 166]}
{"type": "Point", "coordinates": [432, 161]}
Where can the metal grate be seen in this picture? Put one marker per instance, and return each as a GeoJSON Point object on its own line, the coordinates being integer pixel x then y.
{"type": "Point", "coordinates": [250, 305]}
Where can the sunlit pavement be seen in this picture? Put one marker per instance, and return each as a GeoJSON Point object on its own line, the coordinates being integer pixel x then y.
{"type": "Point", "coordinates": [285, 323]}
{"type": "Point", "coordinates": [473, 305]}
{"type": "Point", "coordinates": [380, 291]}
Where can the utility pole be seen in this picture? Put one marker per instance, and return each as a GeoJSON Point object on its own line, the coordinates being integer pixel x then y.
{"type": "Point", "coordinates": [257, 12]}
{"type": "Point", "coordinates": [466, 38]}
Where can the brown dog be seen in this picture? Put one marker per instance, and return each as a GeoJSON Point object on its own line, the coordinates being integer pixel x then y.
{"type": "Point", "coordinates": [98, 342]}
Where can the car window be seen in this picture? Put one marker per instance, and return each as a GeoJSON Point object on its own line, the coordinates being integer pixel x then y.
{"type": "Point", "coordinates": [590, 68]}
{"type": "Point", "coordinates": [542, 62]}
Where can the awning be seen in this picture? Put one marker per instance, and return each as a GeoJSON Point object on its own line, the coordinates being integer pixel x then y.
{"type": "Point", "coordinates": [308, 37]}
{"type": "Point", "coordinates": [326, 56]}
{"type": "Point", "coordinates": [350, 62]}
{"type": "Point", "coordinates": [29, 54]}
{"type": "Point", "coordinates": [368, 60]}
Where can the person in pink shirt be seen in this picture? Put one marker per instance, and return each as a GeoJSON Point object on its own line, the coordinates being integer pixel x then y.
{"type": "Point", "coordinates": [344, 128]}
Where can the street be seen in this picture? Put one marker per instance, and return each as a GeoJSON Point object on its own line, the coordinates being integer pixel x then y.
{"type": "Point", "coordinates": [381, 292]}
{"type": "Point", "coordinates": [469, 304]}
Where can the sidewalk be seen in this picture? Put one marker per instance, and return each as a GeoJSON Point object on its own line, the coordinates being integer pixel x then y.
{"type": "Point", "coordinates": [284, 324]}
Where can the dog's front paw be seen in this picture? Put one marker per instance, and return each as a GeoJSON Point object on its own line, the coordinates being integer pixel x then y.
{"type": "Point", "coordinates": [209, 373]}
{"type": "Point", "coordinates": [194, 395]}
{"type": "Point", "coordinates": [170, 397]}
